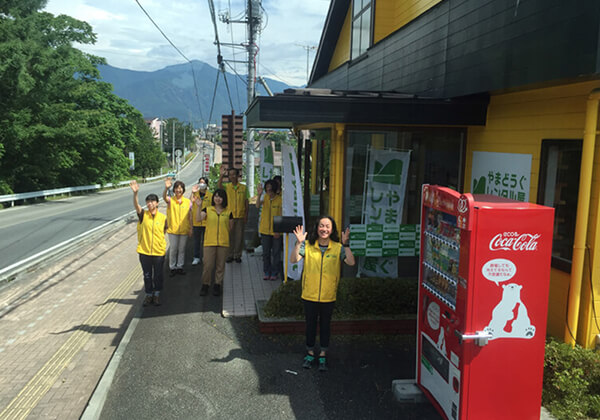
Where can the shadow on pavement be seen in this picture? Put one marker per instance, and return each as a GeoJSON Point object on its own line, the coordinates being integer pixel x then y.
{"type": "Point", "coordinates": [185, 360]}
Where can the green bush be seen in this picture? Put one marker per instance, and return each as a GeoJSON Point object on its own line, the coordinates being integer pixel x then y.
{"type": "Point", "coordinates": [571, 381]}
{"type": "Point", "coordinates": [356, 298]}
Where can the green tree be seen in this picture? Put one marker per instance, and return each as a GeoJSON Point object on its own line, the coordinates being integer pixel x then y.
{"type": "Point", "coordinates": [60, 124]}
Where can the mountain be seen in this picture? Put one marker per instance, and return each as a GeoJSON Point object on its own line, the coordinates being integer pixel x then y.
{"type": "Point", "coordinates": [170, 92]}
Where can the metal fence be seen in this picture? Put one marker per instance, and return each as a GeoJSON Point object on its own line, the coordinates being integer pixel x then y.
{"type": "Point", "coordinates": [65, 190]}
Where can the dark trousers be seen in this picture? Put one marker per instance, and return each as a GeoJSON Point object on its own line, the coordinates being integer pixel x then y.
{"type": "Point", "coordinates": [318, 312]}
{"type": "Point", "coordinates": [271, 254]}
{"type": "Point", "coordinates": [198, 241]}
{"type": "Point", "coordinates": [152, 266]}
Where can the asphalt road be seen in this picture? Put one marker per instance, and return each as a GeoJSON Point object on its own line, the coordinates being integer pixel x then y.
{"type": "Point", "coordinates": [28, 230]}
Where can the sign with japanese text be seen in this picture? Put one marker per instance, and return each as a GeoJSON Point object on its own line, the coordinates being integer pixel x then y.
{"type": "Point", "coordinates": [505, 175]}
{"type": "Point", "coordinates": [292, 204]}
{"type": "Point", "coordinates": [383, 205]}
{"type": "Point", "coordinates": [266, 160]}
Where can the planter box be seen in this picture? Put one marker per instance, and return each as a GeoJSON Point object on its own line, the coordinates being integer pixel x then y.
{"type": "Point", "coordinates": [338, 327]}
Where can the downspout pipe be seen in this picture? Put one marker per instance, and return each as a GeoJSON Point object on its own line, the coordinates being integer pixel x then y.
{"type": "Point", "coordinates": [583, 208]}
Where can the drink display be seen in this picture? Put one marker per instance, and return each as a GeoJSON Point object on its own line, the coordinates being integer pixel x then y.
{"type": "Point", "coordinates": [441, 259]}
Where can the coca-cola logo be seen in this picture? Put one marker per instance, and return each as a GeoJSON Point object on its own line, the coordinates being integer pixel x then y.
{"type": "Point", "coordinates": [463, 205]}
{"type": "Point", "coordinates": [514, 241]}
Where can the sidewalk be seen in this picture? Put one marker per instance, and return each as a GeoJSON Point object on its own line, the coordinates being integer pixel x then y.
{"type": "Point", "coordinates": [186, 361]}
{"type": "Point", "coordinates": [182, 360]}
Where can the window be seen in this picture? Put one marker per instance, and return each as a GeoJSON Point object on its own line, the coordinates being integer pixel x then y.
{"type": "Point", "coordinates": [361, 27]}
{"type": "Point", "coordinates": [559, 186]}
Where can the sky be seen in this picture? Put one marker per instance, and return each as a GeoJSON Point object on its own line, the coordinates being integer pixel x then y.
{"type": "Point", "coordinates": [129, 40]}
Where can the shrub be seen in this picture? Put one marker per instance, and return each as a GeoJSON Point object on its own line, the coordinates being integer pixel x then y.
{"type": "Point", "coordinates": [356, 298]}
{"type": "Point", "coordinates": [571, 381]}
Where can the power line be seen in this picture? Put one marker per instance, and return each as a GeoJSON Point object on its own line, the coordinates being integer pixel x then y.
{"type": "Point", "coordinates": [180, 53]}
{"type": "Point", "coordinates": [211, 6]}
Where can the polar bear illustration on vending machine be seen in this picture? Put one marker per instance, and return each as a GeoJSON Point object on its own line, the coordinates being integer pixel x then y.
{"type": "Point", "coordinates": [504, 323]}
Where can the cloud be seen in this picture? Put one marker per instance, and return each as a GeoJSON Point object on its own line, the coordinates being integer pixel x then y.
{"type": "Point", "coordinates": [128, 39]}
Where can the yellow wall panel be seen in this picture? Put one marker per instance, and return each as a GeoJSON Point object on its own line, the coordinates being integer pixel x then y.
{"type": "Point", "coordinates": [391, 15]}
{"type": "Point", "coordinates": [341, 53]}
{"type": "Point", "coordinates": [517, 123]}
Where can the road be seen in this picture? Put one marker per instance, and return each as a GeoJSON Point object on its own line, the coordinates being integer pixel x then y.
{"type": "Point", "coordinates": [28, 230]}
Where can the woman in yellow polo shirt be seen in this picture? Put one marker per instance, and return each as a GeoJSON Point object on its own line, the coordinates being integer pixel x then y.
{"type": "Point", "coordinates": [199, 191]}
{"type": "Point", "coordinates": [271, 241]}
{"type": "Point", "coordinates": [320, 278]}
{"type": "Point", "coordinates": [151, 244]}
{"type": "Point", "coordinates": [179, 218]}
{"type": "Point", "coordinates": [219, 221]}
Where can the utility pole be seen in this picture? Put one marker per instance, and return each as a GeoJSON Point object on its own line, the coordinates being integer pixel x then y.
{"type": "Point", "coordinates": [173, 151]}
{"type": "Point", "coordinates": [307, 48]}
{"type": "Point", "coordinates": [253, 15]}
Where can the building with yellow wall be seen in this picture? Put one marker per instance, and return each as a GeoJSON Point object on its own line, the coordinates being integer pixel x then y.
{"type": "Point", "coordinates": [449, 80]}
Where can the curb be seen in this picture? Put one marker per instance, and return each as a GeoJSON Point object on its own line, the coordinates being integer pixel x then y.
{"type": "Point", "coordinates": [96, 403]}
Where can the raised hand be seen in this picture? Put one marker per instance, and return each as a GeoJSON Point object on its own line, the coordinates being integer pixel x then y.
{"type": "Point", "coordinates": [195, 189]}
{"type": "Point", "coordinates": [134, 186]}
{"type": "Point", "coordinates": [168, 182]}
{"type": "Point", "coordinates": [346, 236]}
{"type": "Point", "coordinates": [300, 234]}
{"type": "Point", "coordinates": [223, 170]}
{"type": "Point", "coordinates": [259, 190]}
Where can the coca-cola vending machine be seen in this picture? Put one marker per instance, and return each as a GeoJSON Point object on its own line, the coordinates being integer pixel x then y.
{"type": "Point", "coordinates": [483, 297]}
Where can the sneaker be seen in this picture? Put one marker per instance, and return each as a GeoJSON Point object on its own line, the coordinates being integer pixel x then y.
{"type": "Point", "coordinates": [181, 271]}
{"type": "Point", "coordinates": [156, 300]}
{"type": "Point", "coordinates": [322, 363]}
{"type": "Point", "coordinates": [238, 260]}
{"type": "Point", "coordinates": [172, 272]}
{"type": "Point", "coordinates": [229, 259]}
{"type": "Point", "coordinates": [204, 290]}
{"type": "Point", "coordinates": [147, 300]}
{"type": "Point", "coordinates": [196, 261]}
{"type": "Point", "coordinates": [216, 290]}
{"type": "Point", "coordinates": [275, 277]}
{"type": "Point", "coordinates": [266, 277]}
{"type": "Point", "coordinates": [308, 361]}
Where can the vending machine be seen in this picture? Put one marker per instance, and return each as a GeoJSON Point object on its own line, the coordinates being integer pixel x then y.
{"type": "Point", "coordinates": [483, 297]}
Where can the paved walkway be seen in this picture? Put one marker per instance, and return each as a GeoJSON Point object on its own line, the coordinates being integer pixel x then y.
{"type": "Point", "coordinates": [244, 285]}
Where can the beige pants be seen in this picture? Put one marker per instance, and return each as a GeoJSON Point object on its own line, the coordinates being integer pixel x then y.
{"type": "Point", "coordinates": [214, 256]}
{"type": "Point", "coordinates": [236, 239]}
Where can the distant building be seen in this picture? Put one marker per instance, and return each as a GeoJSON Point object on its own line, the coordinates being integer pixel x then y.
{"type": "Point", "coordinates": [155, 125]}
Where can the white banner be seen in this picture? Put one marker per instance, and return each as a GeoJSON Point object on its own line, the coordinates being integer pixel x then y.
{"type": "Point", "coordinates": [384, 202]}
{"type": "Point", "coordinates": [266, 160]}
{"type": "Point", "coordinates": [292, 204]}
{"type": "Point", "coordinates": [506, 175]}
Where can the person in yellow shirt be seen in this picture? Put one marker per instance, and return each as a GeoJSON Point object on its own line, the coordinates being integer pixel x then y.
{"type": "Point", "coordinates": [152, 246]}
{"type": "Point", "coordinates": [219, 221]}
{"type": "Point", "coordinates": [179, 218]}
{"type": "Point", "coordinates": [237, 197]}
{"type": "Point", "coordinates": [271, 241]}
{"type": "Point", "coordinates": [199, 191]}
{"type": "Point", "coordinates": [320, 278]}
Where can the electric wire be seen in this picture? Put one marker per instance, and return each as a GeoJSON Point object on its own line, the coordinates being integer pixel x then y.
{"type": "Point", "coordinates": [272, 73]}
{"type": "Point", "coordinates": [180, 53]}
{"type": "Point", "coordinates": [211, 7]}
{"type": "Point", "coordinates": [236, 73]}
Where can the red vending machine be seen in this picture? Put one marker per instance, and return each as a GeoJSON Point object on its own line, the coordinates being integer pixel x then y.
{"type": "Point", "coordinates": [483, 297]}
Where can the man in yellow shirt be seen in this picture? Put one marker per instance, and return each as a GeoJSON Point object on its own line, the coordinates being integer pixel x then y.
{"type": "Point", "coordinates": [237, 199]}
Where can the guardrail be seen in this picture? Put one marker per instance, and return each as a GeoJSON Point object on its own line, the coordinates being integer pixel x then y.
{"type": "Point", "coordinates": [65, 190]}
